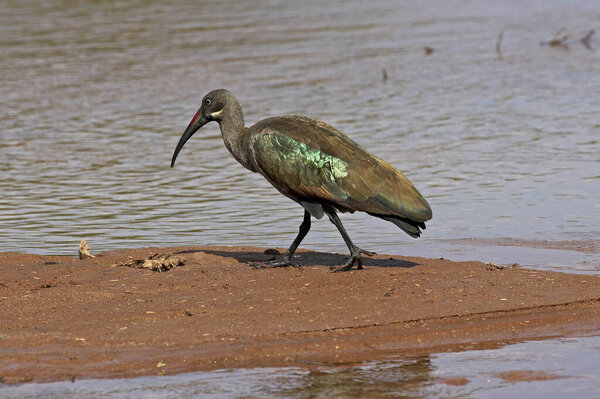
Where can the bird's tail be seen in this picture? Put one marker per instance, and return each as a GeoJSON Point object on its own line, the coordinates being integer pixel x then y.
{"type": "Point", "coordinates": [411, 227]}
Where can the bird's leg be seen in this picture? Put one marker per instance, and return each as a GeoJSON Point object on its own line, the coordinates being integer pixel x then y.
{"type": "Point", "coordinates": [286, 259]}
{"type": "Point", "coordinates": [354, 250]}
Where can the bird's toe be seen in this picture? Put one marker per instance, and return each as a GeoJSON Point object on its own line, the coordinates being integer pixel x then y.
{"type": "Point", "coordinates": [273, 264]}
{"type": "Point", "coordinates": [365, 252]}
{"type": "Point", "coordinates": [355, 258]}
{"type": "Point", "coordinates": [348, 265]}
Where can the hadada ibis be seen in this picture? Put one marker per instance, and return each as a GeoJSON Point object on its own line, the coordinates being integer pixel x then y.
{"type": "Point", "coordinates": [317, 166]}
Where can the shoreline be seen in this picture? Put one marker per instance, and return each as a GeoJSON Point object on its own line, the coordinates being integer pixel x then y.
{"type": "Point", "coordinates": [65, 318]}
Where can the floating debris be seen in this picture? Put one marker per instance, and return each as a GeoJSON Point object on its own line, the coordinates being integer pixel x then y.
{"type": "Point", "coordinates": [559, 40]}
{"type": "Point", "coordinates": [428, 50]}
{"type": "Point", "coordinates": [586, 39]}
{"type": "Point", "coordinates": [499, 44]}
{"type": "Point", "coordinates": [155, 263]}
{"type": "Point", "coordinates": [84, 250]}
{"type": "Point", "coordinates": [384, 75]}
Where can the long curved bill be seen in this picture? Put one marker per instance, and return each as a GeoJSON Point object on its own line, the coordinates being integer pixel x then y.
{"type": "Point", "coordinates": [194, 125]}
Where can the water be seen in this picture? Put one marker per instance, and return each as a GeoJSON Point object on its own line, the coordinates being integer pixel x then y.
{"type": "Point", "coordinates": [94, 97]}
{"type": "Point", "coordinates": [556, 368]}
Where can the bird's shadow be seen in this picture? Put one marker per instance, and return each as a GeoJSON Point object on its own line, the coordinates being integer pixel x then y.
{"type": "Point", "coordinates": [305, 258]}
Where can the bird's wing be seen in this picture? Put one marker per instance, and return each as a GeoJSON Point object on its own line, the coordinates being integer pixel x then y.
{"type": "Point", "coordinates": [311, 161]}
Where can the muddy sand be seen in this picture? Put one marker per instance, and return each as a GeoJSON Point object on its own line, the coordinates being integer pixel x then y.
{"type": "Point", "coordinates": [65, 318]}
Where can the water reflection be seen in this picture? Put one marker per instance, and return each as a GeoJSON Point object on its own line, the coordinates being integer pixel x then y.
{"type": "Point", "coordinates": [395, 378]}
{"type": "Point", "coordinates": [399, 378]}
{"type": "Point", "coordinates": [555, 368]}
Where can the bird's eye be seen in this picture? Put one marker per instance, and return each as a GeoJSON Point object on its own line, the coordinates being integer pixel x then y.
{"type": "Point", "coordinates": [207, 101]}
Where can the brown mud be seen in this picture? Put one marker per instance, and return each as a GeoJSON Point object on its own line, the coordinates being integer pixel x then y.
{"type": "Point", "coordinates": [64, 318]}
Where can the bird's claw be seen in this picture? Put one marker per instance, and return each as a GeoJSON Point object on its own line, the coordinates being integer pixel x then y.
{"type": "Point", "coordinates": [354, 258]}
{"type": "Point", "coordinates": [368, 253]}
{"type": "Point", "coordinates": [273, 264]}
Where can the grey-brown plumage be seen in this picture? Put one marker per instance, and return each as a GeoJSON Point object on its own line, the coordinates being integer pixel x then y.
{"type": "Point", "coordinates": [317, 166]}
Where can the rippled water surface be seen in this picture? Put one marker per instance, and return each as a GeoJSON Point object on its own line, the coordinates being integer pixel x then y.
{"type": "Point", "coordinates": [94, 96]}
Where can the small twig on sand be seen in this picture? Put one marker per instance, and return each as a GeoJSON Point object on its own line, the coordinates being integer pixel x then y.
{"type": "Point", "coordinates": [155, 263]}
{"type": "Point", "coordinates": [494, 266]}
{"type": "Point", "coordinates": [499, 44]}
{"type": "Point", "coordinates": [84, 250]}
{"type": "Point", "coordinates": [586, 39]}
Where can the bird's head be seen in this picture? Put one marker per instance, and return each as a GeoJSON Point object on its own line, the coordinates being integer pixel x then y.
{"type": "Point", "coordinates": [215, 106]}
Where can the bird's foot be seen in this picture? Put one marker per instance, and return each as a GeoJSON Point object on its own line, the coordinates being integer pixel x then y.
{"type": "Point", "coordinates": [354, 258]}
{"type": "Point", "coordinates": [283, 262]}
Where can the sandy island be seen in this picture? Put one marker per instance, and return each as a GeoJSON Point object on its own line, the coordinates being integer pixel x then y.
{"type": "Point", "coordinates": [64, 318]}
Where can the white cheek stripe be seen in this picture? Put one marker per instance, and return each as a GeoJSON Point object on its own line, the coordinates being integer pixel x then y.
{"type": "Point", "coordinates": [214, 114]}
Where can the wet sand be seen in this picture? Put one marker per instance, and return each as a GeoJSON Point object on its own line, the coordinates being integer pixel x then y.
{"type": "Point", "coordinates": [65, 318]}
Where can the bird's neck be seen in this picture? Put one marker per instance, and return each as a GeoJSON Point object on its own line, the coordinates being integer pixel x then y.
{"type": "Point", "coordinates": [234, 133]}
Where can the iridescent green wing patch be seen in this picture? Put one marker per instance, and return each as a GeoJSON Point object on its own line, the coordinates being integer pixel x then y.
{"type": "Point", "coordinates": [300, 168]}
